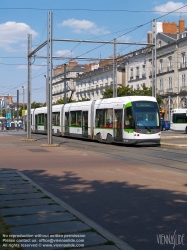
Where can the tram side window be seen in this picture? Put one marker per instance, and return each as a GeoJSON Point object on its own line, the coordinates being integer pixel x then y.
{"type": "Point", "coordinates": [75, 118]}
{"type": "Point", "coordinates": [104, 118]}
{"type": "Point", "coordinates": [56, 119]}
{"type": "Point", "coordinates": [41, 119]}
{"type": "Point", "coordinates": [128, 121]}
{"type": "Point", "coordinates": [179, 118]}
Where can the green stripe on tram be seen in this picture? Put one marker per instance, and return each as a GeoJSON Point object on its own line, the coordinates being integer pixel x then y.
{"type": "Point", "coordinates": [129, 130]}
{"type": "Point", "coordinates": [129, 104]}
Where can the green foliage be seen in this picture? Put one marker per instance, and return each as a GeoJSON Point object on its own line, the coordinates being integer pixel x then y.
{"type": "Point", "coordinates": [84, 100]}
{"type": "Point", "coordinates": [108, 93]}
{"type": "Point", "coordinates": [61, 101]}
{"type": "Point", "coordinates": [127, 91]}
{"type": "Point", "coordinates": [35, 105]}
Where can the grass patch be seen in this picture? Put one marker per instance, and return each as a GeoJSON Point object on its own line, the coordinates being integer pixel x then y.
{"type": "Point", "coordinates": [5, 229]}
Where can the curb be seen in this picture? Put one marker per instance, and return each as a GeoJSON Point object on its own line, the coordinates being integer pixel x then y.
{"type": "Point", "coordinates": [110, 237]}
{"type": "Point", "coordinates": [174, 136]}
{"type": "Point", "coordinates": [174, 145]}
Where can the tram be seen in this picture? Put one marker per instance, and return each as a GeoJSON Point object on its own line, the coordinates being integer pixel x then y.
{"type": "Point", "coordinates": [179, 120]}
{"type": "Point", "coordinates": [126, 120]}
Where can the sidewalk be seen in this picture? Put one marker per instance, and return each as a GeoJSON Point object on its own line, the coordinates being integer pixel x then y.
{"type": "Point", "coordinates": [39, 219]}
{"type": "Point", "coordinates": [179, 141]}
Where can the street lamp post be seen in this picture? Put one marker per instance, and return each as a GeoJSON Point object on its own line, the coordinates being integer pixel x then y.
{"type": "Point", "coordinates": [169, 107]}
{"type": "Point", "coordinates": [23, 87]}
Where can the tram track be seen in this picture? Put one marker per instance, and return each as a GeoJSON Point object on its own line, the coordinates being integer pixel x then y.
{"type": "Point", "coordinates": [172, 161]}
{"type": "Point", "coordinates": [151, 156]}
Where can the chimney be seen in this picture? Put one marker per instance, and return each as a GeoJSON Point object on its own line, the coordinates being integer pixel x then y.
{"type": "Point", "coordinates": [170, 28]}
{"type": "Point", "coordinates": [72, 64]}
{"type": "Point", "coordinates": [149, 37]}
{"type": "Point", "coordinates": [181, 25]}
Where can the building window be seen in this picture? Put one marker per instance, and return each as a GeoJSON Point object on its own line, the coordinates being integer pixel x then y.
{"type": "Point", "coordinates": [143, 71]}
{"type": "Point", "coordinates": [131, 73]}
{"type": "Point", "coordinates": [170, 82]}
{"type": "Point", "coordinates": [161, 84]}
{"type": "Point", "coordinates": [137, 72]}
{"type": "Point", "coordinates": [170, 63]}
{"type": "Point", "coordinates": [183, 80]}
{"type": "Point", "coordinates": [161, 65]}
{"type": "Point", "coordinates": [183, 64]}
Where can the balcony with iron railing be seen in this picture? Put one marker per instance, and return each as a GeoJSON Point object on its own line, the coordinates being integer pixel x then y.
{"type": "Point", "coordinates": [131, 78]}
{"type": "Point", "coordinates": [183, 65]}
{"type": "Point", "coordinates": [169, 68]}
{"type": "Point", "coordinates": [161, 92]}
{"type": "Point", "coordinates": [151, 72]}
{"type": "Point", "coordinates": [144, 75]}
{"type": "Point", "coordinates": [183, 88]}
{"type": "Point", "coordinates": [169, 90]}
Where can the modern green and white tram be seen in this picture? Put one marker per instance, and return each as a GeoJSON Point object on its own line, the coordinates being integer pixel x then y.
{"type": "Point", "coordinates": [179, 120]}
{"type": "Point", "coordinates": [127, 120]}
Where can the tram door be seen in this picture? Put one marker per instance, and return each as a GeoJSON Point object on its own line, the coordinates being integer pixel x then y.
{"type": "Point", "coordinates": [45, 121]}
{"type": "Point", "coordinates": [85, 123]}
{"type": "Point", "coordinates": [66, 131]}
{"type": "Point", "coordinates": [36, 122]}
{"type": "Point", "coordinates": [118, 132]}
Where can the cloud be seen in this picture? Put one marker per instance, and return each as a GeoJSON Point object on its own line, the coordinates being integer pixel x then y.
{"type": "Point", "coordinates": [171, 6]}
{"type": "Point", "coordinates": [124, 39]}
{"type": "Point", "coordinates": [64, 53]}
{"type": "Point", "coordinates": [82, 26]}
{"type": "Point", "coordinates": [26, 67]}
{"type": "Point", "coordinates": [12, 33]}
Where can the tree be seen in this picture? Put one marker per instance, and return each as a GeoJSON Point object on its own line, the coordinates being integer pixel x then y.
{"type": "Point", "coordinates": [108, 93]}
{"type": "Point", "coordinates": [35, 105]}
{"type": "Point", "coordinates": [61, 101]}
{"type": "Point", "coordinates": [127, 91]}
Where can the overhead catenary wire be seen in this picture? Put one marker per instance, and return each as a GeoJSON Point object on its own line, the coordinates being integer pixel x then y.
{"type": "Point", "coordinates": [167, 13]}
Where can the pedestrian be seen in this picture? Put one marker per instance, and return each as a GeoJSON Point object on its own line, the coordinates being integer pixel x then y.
{"type": "Point", "coordinates": [15, 124]}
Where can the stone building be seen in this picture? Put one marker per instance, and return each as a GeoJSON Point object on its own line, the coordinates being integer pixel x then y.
{"type": "Point", "coordinates": [171, 66]}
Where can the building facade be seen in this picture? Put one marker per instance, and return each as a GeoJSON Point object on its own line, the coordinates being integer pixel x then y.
{"type": "Point", "coordinates": [171, 66]}
{"type": "Point", "coordinates": [92, 83]}
{"type": "Point", "coordinates": [65, 74]}
{"type": "Point", "coordinates": [88, 81]}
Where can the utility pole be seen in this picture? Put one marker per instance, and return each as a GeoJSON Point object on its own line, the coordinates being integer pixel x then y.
{"type": "Point", "coordinates": [169, 107]}
{"type": "Point", "coordinates": [23, 87]}
{"type": "Point", "coordinates": [64, 83]}
{"type": "Point", "coordinates": [17, 108]}
{"type": "Point", "coordinates": [49, 77]}
{"type": "Point", "coordinates": [114, 71]}
{"type": "Point", "coordinates": [29, 89]}
{"type": "Point", "coordinates": [154, 59]}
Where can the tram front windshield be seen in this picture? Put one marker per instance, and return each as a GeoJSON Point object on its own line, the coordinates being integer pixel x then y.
{"type": "Point", "coordinates": [146, 114]}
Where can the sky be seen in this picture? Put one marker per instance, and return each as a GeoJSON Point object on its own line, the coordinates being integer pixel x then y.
{"type": "Point", "coordinates": [103, 20]}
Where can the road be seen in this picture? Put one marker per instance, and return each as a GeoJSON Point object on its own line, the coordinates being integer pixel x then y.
{"type": "Point", "coordinates": [136, 193]}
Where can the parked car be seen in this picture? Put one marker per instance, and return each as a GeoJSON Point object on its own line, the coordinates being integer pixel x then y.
{"type": "Point", "coordinates": [165, 125]}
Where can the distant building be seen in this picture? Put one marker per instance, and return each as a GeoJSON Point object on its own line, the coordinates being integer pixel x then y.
{"type": "Point", "coordinates": [93, 82]}
{"type": "Point", "coordinates": [86, 81]}
{"type": "Point", "coordinates": [171, 40]}
{"type": "Point", "coordinates": [72, 70]}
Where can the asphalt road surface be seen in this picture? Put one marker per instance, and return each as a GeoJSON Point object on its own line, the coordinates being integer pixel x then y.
{"type": "Point", "coordinates": [137, 193]}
